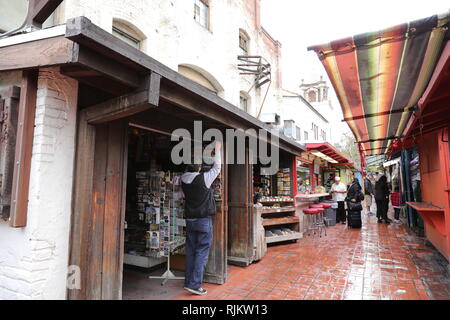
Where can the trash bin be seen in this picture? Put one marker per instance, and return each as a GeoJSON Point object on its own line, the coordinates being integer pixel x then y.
{"type": "Point", "coordinates": [330, 213]}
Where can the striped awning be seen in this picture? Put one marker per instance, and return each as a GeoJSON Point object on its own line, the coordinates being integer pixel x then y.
{"type": "Point", "coordinates": [380, 76]}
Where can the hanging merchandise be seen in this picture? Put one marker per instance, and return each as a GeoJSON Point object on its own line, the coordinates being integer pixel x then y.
{"type": "Point", "coordinates": [284, 182]}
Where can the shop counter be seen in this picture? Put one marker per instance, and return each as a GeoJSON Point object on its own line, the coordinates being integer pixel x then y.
{"type": "Point", "coordinates": [312, 196]}
{"type": "Point", "coordinates": [432, 215]}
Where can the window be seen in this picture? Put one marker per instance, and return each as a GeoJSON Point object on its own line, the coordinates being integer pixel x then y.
{"type": "Point", "coordinates": [305, 135]}
{"type": "Point", "coordinates": [200, 76]}
{"type": "Point", "coordinates": [315, 130]}
{"type": "Point", "coordinates": [323, 135]}
{"type": "Point", "coordinates": [201, 12]}
{"type": "Point", "coordinates": [128, 33]}
{"type": "Point", "coordinates": [243, 43]}
{"type": "Point", "coordinates": [243, 103]}
{"type": "Point", "coordinates": [312, 96]}
{"type": "Point", "coordinates": [298, 133]}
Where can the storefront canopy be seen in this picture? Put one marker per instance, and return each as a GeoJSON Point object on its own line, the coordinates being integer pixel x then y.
{"type": "Point", "coordinates": [380, 76]}
{"type": "Point", "coordinates": [326, 151]}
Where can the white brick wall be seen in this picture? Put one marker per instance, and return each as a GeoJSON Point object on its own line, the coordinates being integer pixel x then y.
{"type": "Point", "coordinates": [174, 37]}
{"type": "Point", "coordinates": [34, 259]}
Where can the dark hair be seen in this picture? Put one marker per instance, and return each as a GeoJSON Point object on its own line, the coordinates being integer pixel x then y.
{"type": "Point", "coordinates": [257, 197]}
{"type": "Point", "coordinates": [193, 167]}
{"type": "Point", "coordinates": [383, 179]}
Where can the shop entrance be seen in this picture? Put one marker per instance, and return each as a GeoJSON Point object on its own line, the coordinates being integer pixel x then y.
{"type": "Point", "coordinates": [110, 162]}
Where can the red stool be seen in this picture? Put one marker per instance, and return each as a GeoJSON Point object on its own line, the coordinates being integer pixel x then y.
{"type": "Point", "coordinates": [310, 219]}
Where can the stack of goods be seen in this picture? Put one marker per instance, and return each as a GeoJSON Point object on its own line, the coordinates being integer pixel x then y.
{"type": "Point", "coordinates": [277, 199]}
{"type": "Point", "coordinates": [160, 206]}
{"type": "Point", "coordinates": [284, 181]}
{"type": "Point", "coordinates": [278, 232]}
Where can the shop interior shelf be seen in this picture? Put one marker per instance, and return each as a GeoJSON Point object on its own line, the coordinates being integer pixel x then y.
{"type": "Point", "coordinates": [267, 210]}
{"type": "Point", "coordinates": [278, 221]}
{"type": "Point", "coordinates": [292, 236]}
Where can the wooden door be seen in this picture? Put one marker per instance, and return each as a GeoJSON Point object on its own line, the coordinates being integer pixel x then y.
{"type": "Point", "coordinates": [240, 214]}
{"type": "Point", "coordinates": [216, 269]}
{"type": "Point", "coordinates": [97, 229]}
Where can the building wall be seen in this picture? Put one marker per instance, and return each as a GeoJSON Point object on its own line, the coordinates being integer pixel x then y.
{"type": "Point", "coordinates": [34, 259]}
{"type": "Point", "coordinates": [298, 110]}
{"type": "Point", "coordinates": [173, 37]}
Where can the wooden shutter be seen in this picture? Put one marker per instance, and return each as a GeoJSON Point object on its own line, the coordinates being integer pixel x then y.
{"type": "Point", "coordinates": [9, 101]}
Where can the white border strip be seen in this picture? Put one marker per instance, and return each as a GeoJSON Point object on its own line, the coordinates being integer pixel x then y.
{"type": "Point", "coordinates": [52, 32]}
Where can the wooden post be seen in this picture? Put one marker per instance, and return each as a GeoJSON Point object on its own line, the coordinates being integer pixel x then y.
{"type": "Point", "coordinates": [24, 147]}
{"type": "Point", "coordinates": [40, 10]}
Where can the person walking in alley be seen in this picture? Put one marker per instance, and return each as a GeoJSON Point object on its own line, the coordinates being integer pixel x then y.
{"type": "Point", "coordinates": [382, 199]}
{"type": "Point", "coordinates": [396, 201]}
{"type": "Point", "coordinates": [199, 207]}
{"type": "Point", "coordinates": [368, 193]}
{"type": "Point", "coordinates": [338, 190]}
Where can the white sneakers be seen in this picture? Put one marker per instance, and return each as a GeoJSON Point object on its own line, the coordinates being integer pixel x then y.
{"type": "Point", "coordinates": [199, 291]}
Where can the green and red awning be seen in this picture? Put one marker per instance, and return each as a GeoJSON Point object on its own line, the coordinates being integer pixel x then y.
{"type": "Point", "coordinates": [380, 76]}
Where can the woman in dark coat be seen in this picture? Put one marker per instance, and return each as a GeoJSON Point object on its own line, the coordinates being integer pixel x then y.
{"type": "Point", "coordinates": [382, 199]}
{"type": "Point", "coordinates": [354, 198]}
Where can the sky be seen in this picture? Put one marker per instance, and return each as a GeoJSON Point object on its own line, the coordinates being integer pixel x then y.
{"type": "Point", "coordinates": [298, 24]}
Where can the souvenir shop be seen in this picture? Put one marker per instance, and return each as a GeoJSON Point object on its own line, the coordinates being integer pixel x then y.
{"type": "Point", "coordinates": [269, 216]}
{"type": "Point", "coordinates": [126, 205]}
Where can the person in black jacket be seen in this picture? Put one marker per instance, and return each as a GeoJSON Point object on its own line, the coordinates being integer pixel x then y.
{"type": "Point", "coordinates": [199, 207]}
{"type": "Point", "coordinates": [382, 199]}
{"type": "Point", "coordinates": [354, 198]}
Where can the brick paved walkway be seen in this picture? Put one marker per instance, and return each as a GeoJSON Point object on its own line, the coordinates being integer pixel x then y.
{"type": "Point", "coordinates": [376, 262]}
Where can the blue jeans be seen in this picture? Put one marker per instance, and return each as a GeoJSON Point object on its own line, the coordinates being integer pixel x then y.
{"type": "Point", "coordinates": [198, 242]}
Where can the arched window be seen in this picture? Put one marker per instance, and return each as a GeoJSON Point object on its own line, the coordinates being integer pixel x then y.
{"type": "Point", "coordinates": [244, 41]}
{"type": "Point", "coordinates": [128, 33]}
{"type": "Point", "coordinates": [200, 76]}
{"type": "Point", "coordinates": [312, 96]}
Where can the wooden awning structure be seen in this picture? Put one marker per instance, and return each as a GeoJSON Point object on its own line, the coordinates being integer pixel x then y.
{"type": "Point", "coordinates": [120, 72]}
{"type": "Point", "coordinates": [380, 76]}
{"type": "Point", "coordinates": [328, 150]}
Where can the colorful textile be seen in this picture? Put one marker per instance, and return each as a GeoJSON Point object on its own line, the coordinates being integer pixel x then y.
{"type": "Point", "coordinates": [377, 73]}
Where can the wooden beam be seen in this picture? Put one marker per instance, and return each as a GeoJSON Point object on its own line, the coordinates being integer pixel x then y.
{"type": "Point", "coordinates": [126, 105]}
{"type": "Point", "coordinates": [42, 53]}
{"type": "Point", "coordinates": [105, 66]}
{"type": "Point", "coordinates": [9, 101]}
{"type": "Point", "coordinates": [40, 10]}
{"type": "Point", "coordinates": [198, 106]}
{"type": "Point", "coordinates": [24, 147]}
